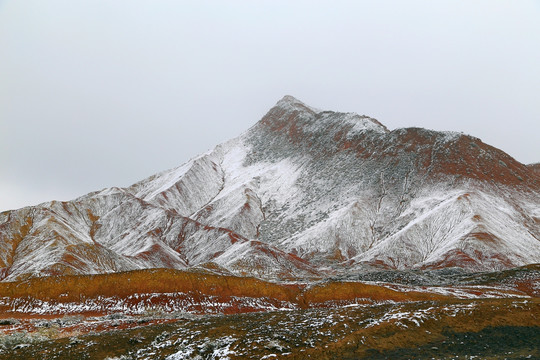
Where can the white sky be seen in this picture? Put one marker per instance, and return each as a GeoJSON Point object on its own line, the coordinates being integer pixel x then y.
{"type": "Point", "coordinates": [98, 93]}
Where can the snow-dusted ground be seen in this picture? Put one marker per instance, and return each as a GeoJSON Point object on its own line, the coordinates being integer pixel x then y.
{"type": "Point", "coordinates": [138, 304]}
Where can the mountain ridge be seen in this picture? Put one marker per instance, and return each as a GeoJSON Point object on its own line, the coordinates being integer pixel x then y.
{"type": "Point", "coordinates": [303, 193]}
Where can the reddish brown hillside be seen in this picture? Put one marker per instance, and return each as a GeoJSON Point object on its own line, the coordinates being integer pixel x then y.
{"type": "Point", "coordinates": [435, 153]}
{"type": "Point", "coordinates": [535, 168]}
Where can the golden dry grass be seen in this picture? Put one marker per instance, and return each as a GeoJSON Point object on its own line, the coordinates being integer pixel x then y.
{"type": "Point", "coordinates": [346, 291]}
{"type": "Point", "coordinates": [74, 288]}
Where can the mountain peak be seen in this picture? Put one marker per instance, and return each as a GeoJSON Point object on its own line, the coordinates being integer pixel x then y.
{"type": "Point", "coordinates": [293, 117]}
{"type": "Point", "coordinates": [289, 102]}
{"type": "Point", "coordinates": [290, 98]}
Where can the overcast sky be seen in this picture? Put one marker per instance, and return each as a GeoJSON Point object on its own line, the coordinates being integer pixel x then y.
{"type": "Point", "coordinates": [104, 93]}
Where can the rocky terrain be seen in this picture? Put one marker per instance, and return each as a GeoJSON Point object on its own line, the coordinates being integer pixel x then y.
{"type": "Point", "coordinates": [166, 314]}
{"type": "Point", "coordinates": [309, 215]}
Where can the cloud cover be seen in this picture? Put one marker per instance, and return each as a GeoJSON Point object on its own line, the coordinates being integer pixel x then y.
{"type": "Point", "coordinates": [104, 93]}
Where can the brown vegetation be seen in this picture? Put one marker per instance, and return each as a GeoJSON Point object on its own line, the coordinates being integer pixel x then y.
{"type": "Point", "coordinates": [202, 284]}
{"type": "Point", "coordinates": [360, 292]}
{"type": "Point", "coordinates": [76, 288]}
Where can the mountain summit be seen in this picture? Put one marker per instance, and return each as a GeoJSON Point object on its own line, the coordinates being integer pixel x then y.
{"type": "Point", "coordinates": [304, 193]}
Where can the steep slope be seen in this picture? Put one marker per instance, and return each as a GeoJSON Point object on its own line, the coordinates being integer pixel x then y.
{"type": "Point", "coordinates": [331, 187]}
{"type": "Point", "coordinates": [535, 168]}
{"type": "Point", "coordinates": [302, 193]}
{"type": "Point", "coordinates": [112, 231]}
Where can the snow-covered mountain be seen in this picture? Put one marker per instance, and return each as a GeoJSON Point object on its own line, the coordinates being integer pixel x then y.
{"type": "Point", "coordinates": [304, 193]}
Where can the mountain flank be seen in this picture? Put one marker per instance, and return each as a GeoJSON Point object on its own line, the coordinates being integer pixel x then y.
{"type": "Point", "coordinates": [303, 194]}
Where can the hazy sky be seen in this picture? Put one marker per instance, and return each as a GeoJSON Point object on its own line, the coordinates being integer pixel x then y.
{"type": "Point", "coordinates": [104, 93]}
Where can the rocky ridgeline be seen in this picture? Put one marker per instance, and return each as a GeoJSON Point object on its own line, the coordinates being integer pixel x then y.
{"type": "Point", "coordinates": [303, 194]}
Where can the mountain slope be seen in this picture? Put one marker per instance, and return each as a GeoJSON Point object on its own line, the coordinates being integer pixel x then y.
{"type": "Point", "coordinates": [303, 193]}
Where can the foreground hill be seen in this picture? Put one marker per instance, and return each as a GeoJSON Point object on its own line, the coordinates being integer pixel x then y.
{"type": "Point", "coordinates": [172, 314]}
{"type": "Point", "coordinates": [303, 194]}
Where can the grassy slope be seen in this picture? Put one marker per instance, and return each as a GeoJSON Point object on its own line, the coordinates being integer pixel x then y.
{"type": "Point", "coordinates": [76, 288]}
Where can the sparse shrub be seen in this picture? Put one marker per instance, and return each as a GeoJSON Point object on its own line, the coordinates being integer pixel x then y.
{"type": "Point", "coordinates": [209, 347]}
{"type": "Point", "coordinates": [9, 321]}
{"type": "Point", "coordinates": [52, 332]}
{"type": "Point", "coordinates": [68, 320]}
{"type": "Point", "coordinates": [154, 313]}
{"type": "Point", "coordinates": [20, 338]}
{"type": "Point", "coordinates": [136, 340]}
{"type": "Point", "coordinates": [115, 316]}
{"type": "Point", "coordinates": [43, 324]}
{"type": "Point", "coordinates": [122, 357]}
{"type": "Point", "coordinates": [75, 341]}
{"type": "Point", "coordinates": [275, 345]}
{"type": "Point", "coordinates": [182, 315]}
